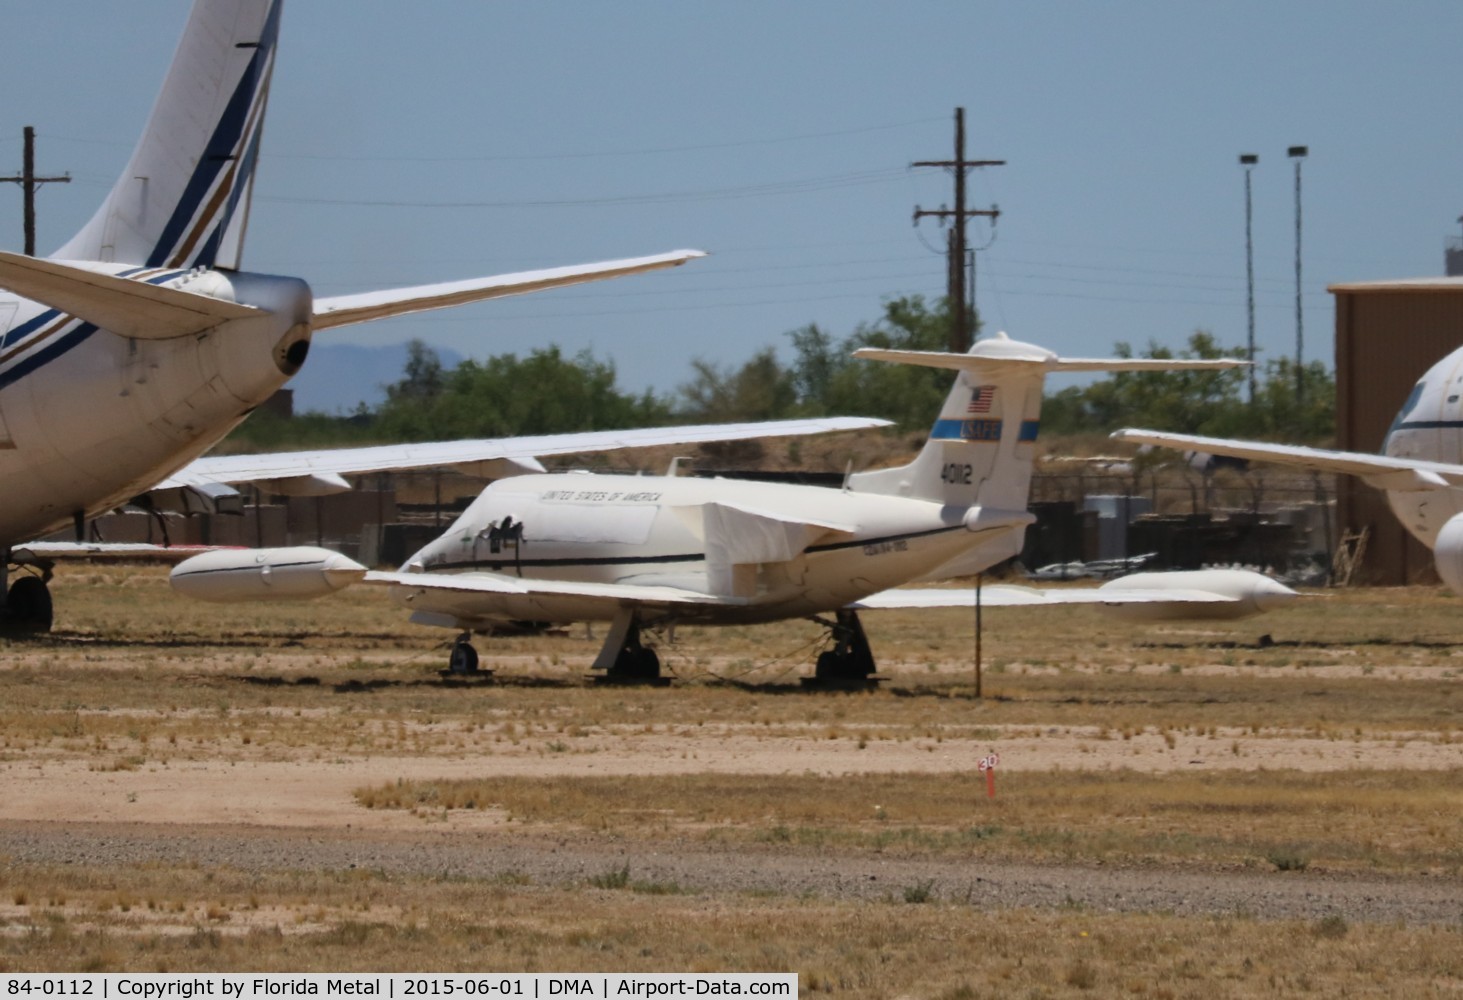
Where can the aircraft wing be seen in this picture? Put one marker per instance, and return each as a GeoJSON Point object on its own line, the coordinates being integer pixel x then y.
{"type": "Point", "coordinates": [35, 553]}
{"type": "Point", "coordinates": [1174, 595]}
{"type": "Point", "coordinates": [130, 306]}
{"type": "Point", "coordinates": [508, 586]}
{"type": "Point", "coordinates": [342, 310]}
{"type": "Point", "coordinates": [1002, 596]}
{"type": "Point", "coordinates": [487, 457]}
{"type": "Point", "coordinates": [1381, 471]}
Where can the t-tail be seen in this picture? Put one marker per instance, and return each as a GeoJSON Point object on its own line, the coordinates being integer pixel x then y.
{"type": "Point", "coordinates": [183, 199]}
{"type": "Point", "coordinates": [982, 448]}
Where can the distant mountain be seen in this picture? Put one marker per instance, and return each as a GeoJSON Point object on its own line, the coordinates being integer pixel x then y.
{"type": "Point", "coordinates": [338, 377]}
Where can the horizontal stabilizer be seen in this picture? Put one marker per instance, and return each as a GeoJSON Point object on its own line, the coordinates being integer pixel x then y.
{"type": "Point", "coordinates": [125, 306]}
{"type": "Point", "coordinates": [343, 310]}
{"type": "Point", "coordinates": [989, 357]}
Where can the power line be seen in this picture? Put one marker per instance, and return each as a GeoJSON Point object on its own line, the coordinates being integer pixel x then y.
{"type": "Point", "coordinates": [539, 157]}
{"type": "Point", "coordinates": [799, 186]}
{"type": "Point", "coordinates": [596, 154]}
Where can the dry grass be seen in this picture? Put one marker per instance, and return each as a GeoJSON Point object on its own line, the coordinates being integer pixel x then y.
{"type": "Point", "coordinates": [1394, 821]}
{"type": "Point", "coordinates": [136, 683]}
{"type": "Point", "coordinates": [948, 945]}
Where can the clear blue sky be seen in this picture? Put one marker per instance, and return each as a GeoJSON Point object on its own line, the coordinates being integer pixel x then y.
{"type": "Point", "coordinates": [436, 140]}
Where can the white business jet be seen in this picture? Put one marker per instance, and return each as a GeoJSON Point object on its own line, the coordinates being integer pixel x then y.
{"type": "Point", "coordinates": [643, 551]}
{"type": "Point", "coordinates": [139, 344]}
{"type": "Point", "coordinates": [1420, 467]}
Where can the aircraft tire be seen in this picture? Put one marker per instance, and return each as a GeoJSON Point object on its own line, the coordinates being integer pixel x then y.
{"type": "Point", "coordinates": [647, 664]}
{"type": "Point", "coordinates": [28, 608]}
{"type": "Point", "coordinates": [464, 659]}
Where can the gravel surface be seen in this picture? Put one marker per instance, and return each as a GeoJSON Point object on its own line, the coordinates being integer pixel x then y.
{"type": "Point", "coordinates": [573, 859]}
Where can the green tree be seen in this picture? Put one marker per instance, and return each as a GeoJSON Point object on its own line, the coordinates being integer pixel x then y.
{"type": "Point", "coordinates": [422, 378]}
{"type": "Point", "coordinates": [1190, 402]}
{"type": "Point", "coordinates": [818, 361]}
{"type": "Point", "coordinates": [761, 389]}
{"type": "Point", "coordinates": [1278, 415]}
{"type": "Point", "coordinates": [829, 380]}
{"type": "Point", "coordinates": [543, 393]}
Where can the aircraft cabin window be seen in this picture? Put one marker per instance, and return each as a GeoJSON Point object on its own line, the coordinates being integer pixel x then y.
{"type": "Point", "coordinates": [1453, 398]}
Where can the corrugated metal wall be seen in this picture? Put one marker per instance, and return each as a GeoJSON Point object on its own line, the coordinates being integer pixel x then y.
{"type": "Point", "coordinates": [1385, 341]}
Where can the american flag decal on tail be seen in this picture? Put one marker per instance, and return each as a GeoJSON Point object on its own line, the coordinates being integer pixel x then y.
{"type": "Point", "coordinates": [981, 399]}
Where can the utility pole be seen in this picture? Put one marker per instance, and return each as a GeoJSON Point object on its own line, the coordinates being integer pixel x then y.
{"type": "Point", "coordinates": [1298, 153]}
{"type": "Point", "coordinates": [28, 181]}
{"type": "Point", "coordinates": [960, 336]}
{"type": "Point", "coordinates": [1248, 161]}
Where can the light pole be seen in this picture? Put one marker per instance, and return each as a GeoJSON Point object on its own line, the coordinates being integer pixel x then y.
{"type": "Point", "coordinates": [1298, 153]}
{"type": "Point", "coordinates": [1248, 161]}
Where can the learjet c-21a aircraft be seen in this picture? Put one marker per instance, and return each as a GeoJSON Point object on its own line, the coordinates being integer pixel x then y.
{"type": "Point", "coordinates": [1420, 468]}
{"type": "Point", "coordinates": [647, 551]}
{"type": "Point", "coordinates": [140, 344]}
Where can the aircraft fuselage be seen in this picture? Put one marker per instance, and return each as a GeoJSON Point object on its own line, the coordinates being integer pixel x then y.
{"type": "Point", "coordinates": [1429, 427]}
{"type": "Point", "coordinates": [653, 531]}
{"type": "Point", "coordinates": [90, 419]}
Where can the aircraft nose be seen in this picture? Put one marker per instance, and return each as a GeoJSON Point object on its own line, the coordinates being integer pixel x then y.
{"type": "Point", "coordinates": [1272, 594]}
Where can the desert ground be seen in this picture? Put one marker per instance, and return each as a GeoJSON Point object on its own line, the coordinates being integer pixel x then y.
{"type": "Point", "coordinates": [1260, 808]}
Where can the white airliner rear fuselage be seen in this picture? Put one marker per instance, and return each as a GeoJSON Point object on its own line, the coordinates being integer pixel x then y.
{"type": "Point", "coordinates": [91, 418]}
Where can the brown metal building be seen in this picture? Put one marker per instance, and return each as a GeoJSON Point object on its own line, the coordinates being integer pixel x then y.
{"type": "Point", "coordinates": [1388, 333]}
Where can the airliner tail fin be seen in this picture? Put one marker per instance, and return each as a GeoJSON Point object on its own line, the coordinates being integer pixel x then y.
{"type": "Point", "coordinates": [183, 199]}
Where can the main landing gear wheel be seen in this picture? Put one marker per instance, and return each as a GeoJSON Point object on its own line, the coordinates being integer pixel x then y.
{"type": "Point", "coordinates": [624, 659]}
{"type": "Point", "coordinates": [463, 662]}
{"type": "Point", "coordinates": [849, 665]}
{"type": "Point", "coordinates": [28, 606]}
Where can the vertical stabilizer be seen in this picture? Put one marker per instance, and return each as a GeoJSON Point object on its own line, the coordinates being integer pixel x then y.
{"type": "Point", "coordinates": [183, 199]}
{"type": "Point", "coordinates": [983, 446]}
{"type": "Point", "coordinates": [981, 449]}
